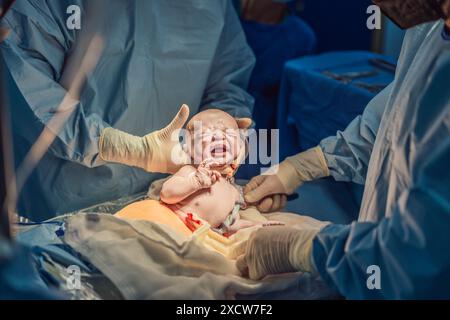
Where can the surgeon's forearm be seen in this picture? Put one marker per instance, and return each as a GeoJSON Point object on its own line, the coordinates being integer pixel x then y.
{"type": "Point", "coordinates": [55, 122]}
{"type": "Point", "coordinates": [349, 151]}
{"type": "Point", "coordinates": [416, 231]}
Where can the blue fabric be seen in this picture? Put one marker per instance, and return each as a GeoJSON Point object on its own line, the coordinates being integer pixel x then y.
{"type": "Point", "coordinates": [44, 243]}
{"type": "Point", "coordinates": [273, 46]}
{"type": "Point", "coordinates": [20, 279]}
{"type": "Point", "coordinates": [50, 256]}
{"type": "Point", "coordinates": [349, 151]}
{"type": "Point", "coordinates": [403, 158]}
{"type": "Point", "coordinates": [445, 34]}
{"type": "Point", "coordinates": [46, 238]}
{"type": "Point", "coordinates": [339, 25]}
{"type": "Point", "coordinates": [156, 56]}
{"type": "Point", "coordinates": [325, 200]}
{"type": "Point", "coordinates": [312, 106]}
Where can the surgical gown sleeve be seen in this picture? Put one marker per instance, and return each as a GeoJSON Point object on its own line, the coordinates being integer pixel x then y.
{"type": "Point", "coordinates": [411, 247]}
{"type": "Point", "coordinates": [35, 55]}
{"type": "Point", "coordinates": [348, 153]}
{"type": "Point", "coordinates": [231, 69]}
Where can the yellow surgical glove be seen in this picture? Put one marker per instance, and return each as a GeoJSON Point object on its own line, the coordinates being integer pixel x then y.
{"type": "Point", "coordinates": [156, 152]}
{"type": "Point", "coordinates": [285, 179]}
{"type": "Point", "coordinates": [274, 250]}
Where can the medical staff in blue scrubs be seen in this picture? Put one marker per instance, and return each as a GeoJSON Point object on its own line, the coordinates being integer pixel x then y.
{"type": "Point", "coordinates": [400, 150]}
{"type": "Point", "coordinates": [19, 278]}
{"type": "Point", "coordinates": [153, 57]}
{"type": "Point", "coordinates": [3, 33]}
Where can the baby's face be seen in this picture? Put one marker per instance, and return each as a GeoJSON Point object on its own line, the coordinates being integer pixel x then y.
{"type": "Point", "coordinates": [214, 135]}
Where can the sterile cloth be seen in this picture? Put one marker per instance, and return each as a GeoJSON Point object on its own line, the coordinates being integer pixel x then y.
{"type": "Point", "coordinates": [149, 261]}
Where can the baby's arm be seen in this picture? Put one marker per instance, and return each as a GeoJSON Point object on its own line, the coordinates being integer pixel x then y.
{"type": "Point", "coordinates": [186, 182]}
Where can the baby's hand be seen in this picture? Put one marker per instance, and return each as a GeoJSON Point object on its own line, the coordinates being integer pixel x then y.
{"type": "Point", "coordinates": [205, 177]}
{"type": "Point", "coordinates": [210, 163]}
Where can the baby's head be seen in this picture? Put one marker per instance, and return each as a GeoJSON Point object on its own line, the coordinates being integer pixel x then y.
{"type": "Point", "coordinates": [215, 136]}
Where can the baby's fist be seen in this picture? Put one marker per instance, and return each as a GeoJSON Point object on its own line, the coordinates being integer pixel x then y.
{"type": "Point", "coordinates": [206, 177]}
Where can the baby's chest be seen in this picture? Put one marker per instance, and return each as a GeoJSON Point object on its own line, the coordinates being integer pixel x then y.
{"type": "Point", "coordinates": [213, 204]}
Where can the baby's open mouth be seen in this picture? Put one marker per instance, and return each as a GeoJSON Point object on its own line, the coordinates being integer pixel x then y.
{"type": "Point", "coordinates": [219, 150]}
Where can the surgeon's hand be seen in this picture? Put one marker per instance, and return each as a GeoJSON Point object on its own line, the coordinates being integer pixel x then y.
{"type": "Point", "coordinates": [156, 152]}
{"type": "Point", "coordinates": [274, 250]}
{"type": "Point", "coordinates": [266, 191]}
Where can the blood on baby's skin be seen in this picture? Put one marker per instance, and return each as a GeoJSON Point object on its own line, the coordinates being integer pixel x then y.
{"type": "Point", "coordinates": [192, 223]}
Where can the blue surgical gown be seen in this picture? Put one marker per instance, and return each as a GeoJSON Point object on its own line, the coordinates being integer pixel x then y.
{"type": "Point", "coordinates": [400, 149]}
{"type": "Point", "coordinates": [156, 56]}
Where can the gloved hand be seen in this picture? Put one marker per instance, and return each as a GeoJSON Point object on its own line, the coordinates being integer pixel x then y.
{"type": "Point", "coordinates": [265, 190]}
{"type": "Point", "coordinates": [155, 152]}
{"type": "Point", "coordinates": [259, 191]}
{"type": "Point", "coordinates": [274, 250]}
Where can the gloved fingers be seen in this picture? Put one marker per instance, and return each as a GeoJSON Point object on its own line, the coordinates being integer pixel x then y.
{"type": "Point", "coordinates": [276, 203]}
{"type": "Point", "coordinates": [255, 273]}
{"type": "Point", "coordinates": [177, 122]}
{"type": "Point", "coordinates": [253, 184]}
{"type": "Point", "coordinates": [283, 201]}
{"type": "Point", "coordinates": [241, 265]}
{"type": "Point", "coordinates": [265, 205]}
{"type": "Point", "coordinates": [238, 249]}
{"type": "Point", "coordinates": [258, 188]}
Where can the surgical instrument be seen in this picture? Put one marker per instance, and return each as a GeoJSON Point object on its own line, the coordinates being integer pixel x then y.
{"type": "Point", "coordinates": [346, 78]}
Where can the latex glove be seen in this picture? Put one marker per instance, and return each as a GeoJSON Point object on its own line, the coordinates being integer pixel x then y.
{"type": "Point", "coordinates": [285, 179]}
{"type": "Point", "coordinates": [274, 250]}
{"type": "Point", "coordinates": [155, 152]}
{"type": "Point", "coordinates": [260, 192]}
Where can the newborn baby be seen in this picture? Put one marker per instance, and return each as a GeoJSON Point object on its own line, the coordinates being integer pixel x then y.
{"type": "Point", "coordinates": [206, 189]}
